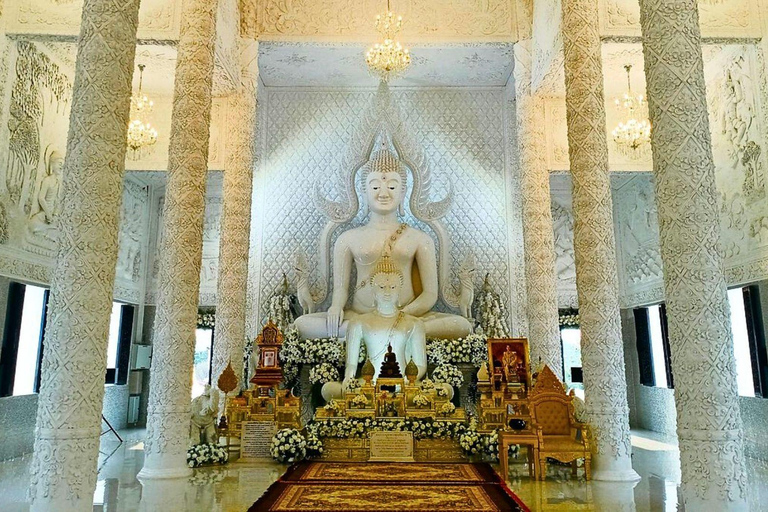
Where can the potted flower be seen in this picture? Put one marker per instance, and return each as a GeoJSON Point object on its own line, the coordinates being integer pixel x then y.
{"type": "Point", "coordinates": [421, 401]}
{"type": "Point", "coordinates": [360, 401]}
{"type": "Point", "coordinates": [447, 409]}
{"type": "Point", "coordinates": [332, 407]}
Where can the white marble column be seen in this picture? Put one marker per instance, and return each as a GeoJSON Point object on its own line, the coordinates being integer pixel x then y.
{"type": "Point", "coordinates": [170, 386]}
{"type": "Point", "coordinates": [63, 470]}
{"type": "Point", "coordinates": [602, 351]}
{"type": "Point", "coordinates": [236, 219]}
{"type": "Point", "coordinates": [709, 426]}
{"type": "Point", "coordinates": [538, 232]}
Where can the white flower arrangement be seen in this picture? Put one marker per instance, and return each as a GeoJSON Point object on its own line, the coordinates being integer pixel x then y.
{"type": "Point", "coordinates": [288, 445]}
{"type": "Point", "coordinates": [448, 374]}
{"type": "Point", "coordinates": [447, 409]}
{"type": "Point", "coordinates": [471, 442]}
{"type": "Point", "coordinates": [296, 352]}
{"type": "Point", "coordinates": [427, 384]}
{"type": "Point", "coordinates": [471, 349]}
{"type": "Point", "coordinates": [569, 318]}
{"type": "Point", "coordinates": [442, 391]}
{"type": "Point", "coordinates": [280, 310]}
{"type": "Point", "coordinates": [361, 427]}
{"type": "Point", "coordinates": [206, 320]}
{"type": "Point", "coordinates": [421, 400]}
{"type": "Point", "coordinates": [332, 405]}
{"type": "Point", "coordinates": [314, 445]}
{"type": "Point", "coordinates": [492, 313]}
{"type": "Point", "coordinates": [322, 373]}
{"type": "Point", "coordinates": [360, 400]}
{"type": "Point", "coordinates": [200, 454]}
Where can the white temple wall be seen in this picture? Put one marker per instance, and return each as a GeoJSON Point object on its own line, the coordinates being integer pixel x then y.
{"type": "Point", "coordinates": [304, 133]}
{"type": "Point", "coordinates": [737, 97]}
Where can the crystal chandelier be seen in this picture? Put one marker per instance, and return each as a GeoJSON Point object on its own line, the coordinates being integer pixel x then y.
{"type": "Point", "coordinates": [140, 131]}
{"type": "Point", "coordinates": [388, 59]}
{"type": "Point", "coordinates": [632, 132]}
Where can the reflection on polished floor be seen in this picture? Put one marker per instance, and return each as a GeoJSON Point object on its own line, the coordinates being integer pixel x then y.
{"type": "Point", "coordinates": [237, 486]}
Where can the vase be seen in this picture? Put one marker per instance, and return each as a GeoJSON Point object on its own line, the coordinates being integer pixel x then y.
{"type": "Point", "coordinates": [516, 424]}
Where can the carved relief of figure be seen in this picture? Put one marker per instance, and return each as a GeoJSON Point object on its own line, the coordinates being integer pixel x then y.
{"type": "Point", "coordinates": [564, 259]}
{"type": "Point", "coordinates": [45, 208]}
{"type": "Point", "coordinates": [301, 268]}
{"type": "Point", "coordinates": [129, 256]}
{"type": "Point", "coordinates": [467, 292]}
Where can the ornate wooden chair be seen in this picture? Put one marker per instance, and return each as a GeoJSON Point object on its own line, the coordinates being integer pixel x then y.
{"type": "Point", "coordinates": [561, 437]}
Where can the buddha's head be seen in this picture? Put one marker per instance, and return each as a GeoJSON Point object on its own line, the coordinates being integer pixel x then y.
{"type": "Point", "coordinates": [386, 281]}
{"type": "Point", "coordinates": [55, 163]}
{"type": "Point", "coordinates": [384, 180]}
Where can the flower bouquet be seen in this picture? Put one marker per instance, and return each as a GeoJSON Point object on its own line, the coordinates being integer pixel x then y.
{"type": "Point", "coordinates": [332, 406]}
{"type": "Point", "coordinates": [360, 401]}
{"type": "Point", "coordinates": [206, 454]}
{"type": "Point", "coordinates": [322, 373]}
{"type": "Point", "coordinates": [421, 401]}
{"type": "Point", "coordinates": [288, 445]}
{"type": "Point", "coordinates": [447, 409]}
{"type": "Point", "coordinates": [448, 374]}
{"type": "Point", "coordinates": [427, 384]}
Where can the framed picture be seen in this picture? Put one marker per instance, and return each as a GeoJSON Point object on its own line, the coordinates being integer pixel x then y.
{"type": "Point", "coordinates": [269, 357]}
{"type": "Point", "coordinates": [510, 361]}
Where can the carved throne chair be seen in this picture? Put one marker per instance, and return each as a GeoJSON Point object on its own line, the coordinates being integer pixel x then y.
{"type": "Point", "coordinates": [560, 436]}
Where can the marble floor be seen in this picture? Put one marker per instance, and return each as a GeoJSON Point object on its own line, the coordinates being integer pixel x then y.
{"type": "Point", "coordinates": [236, 486]}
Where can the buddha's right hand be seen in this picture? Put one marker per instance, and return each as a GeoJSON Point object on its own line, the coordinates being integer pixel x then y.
{"type": "Point", "coordinates": [333, 322]}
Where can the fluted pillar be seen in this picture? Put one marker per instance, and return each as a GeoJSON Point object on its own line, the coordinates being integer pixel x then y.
{"type": "Point", "coordinates": [709, 426]}
{"type": "Point", "coordinates": [236, 219]}
{"type": "Point", "coordinates": [602, 351]}
{"type": "Point", "coordinates": [538, 233]}
{"type": "Point", "coordinates": [63, 470]}
{"type": "Point", "coordinates": [181, 251]}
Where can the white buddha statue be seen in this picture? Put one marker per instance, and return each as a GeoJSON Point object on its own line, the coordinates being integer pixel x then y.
{"type": "Point", "coordinates": [410, 250]}
{"type": "Point", "coordinates": [386, 326]}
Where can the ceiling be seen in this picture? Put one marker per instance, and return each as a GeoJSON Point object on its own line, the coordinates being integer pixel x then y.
{"type": "Point", "coordinates": [314, 65]}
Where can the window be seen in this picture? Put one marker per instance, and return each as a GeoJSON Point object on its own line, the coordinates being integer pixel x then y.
{"type": "Point", "coordinates": [119, 343]}
{"type": "Point", "coordinates": [749, 347]}
{"type": "Point", "coordinates": [571, 340]}
{"type": "Point", "coordinates": [653, 354]}
{"type": "Point", "coordinates": [22, 351]}
{"type": "Point", "coordinates": [203, 361]}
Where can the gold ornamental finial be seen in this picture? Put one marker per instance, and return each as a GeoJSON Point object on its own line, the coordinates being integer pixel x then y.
{"type": "Point", "coordinates": [228, 379]}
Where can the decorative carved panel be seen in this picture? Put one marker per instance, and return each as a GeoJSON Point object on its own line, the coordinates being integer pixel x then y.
{"type": "Point", "coordinates": [350, 20]}
{"type": "Point", "coordinates": [719, 19]}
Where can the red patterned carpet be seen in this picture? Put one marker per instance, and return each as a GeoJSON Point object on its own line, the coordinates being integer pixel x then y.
{"type": "Point", "coordinates": [405, 487]}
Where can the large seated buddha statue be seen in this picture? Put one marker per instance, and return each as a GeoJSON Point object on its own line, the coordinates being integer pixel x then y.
{"type": "Point", "coordinates": [410, 250]}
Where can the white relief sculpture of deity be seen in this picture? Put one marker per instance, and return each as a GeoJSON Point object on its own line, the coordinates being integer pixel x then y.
{"type": "Point", "coordinates": [564, 259]}
{"type": "Point", "coordinates": [411, 250]}
{"type": "Point", "coordinates": [129, 253]}
{"type": "Point", "coordinates": [46, 206]}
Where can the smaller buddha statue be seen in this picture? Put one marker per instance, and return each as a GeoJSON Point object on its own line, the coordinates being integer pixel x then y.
{"type": "Point", "coordinates": [390, 368]}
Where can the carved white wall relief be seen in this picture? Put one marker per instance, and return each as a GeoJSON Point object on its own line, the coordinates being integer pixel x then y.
{"type": "Point", "coordinates": [63, 470]}
{"type": "Point", "coordinates": [709, 426]}
{"type": "Point", "coordinates": [308, 136]}
{"type": "Point", "coordinates": [158, 19]}
{"type": "Point", "coordinates": [132, 232]}
{"type": "Point", "coordinates": [349, 20]}
{"type": "Point", "coordinates": [181, 253]}
{"type": "Point", "coordinates": [30, 188]}
{"type": "Point", "coordinates": [732, 18]}
{"type": "Point", "coordinates": [594, 244]}
{"type": "Point", "coordinates": [565, 264]}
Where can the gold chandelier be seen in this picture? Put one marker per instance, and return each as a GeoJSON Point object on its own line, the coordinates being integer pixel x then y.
{"type": "Point", "coordinates": [388, 59]}
{"type": "Point", "coordinates": [141, 134]}
{"type": "Point", "coordinates": [632, 131]}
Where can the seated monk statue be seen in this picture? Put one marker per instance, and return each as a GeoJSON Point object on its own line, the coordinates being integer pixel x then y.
{"type": "Point", "coordinates": [410, 250]}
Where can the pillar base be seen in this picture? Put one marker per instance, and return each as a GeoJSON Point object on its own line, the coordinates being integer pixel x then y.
{"type": "Point", "coordinates": [613, 469]}
{"type": "Point", "coordinates": [157, 474]}
{"type": "Point", "coordinates": [158, 467]}
{"type": "Point", "coordinates": [61, 505]}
